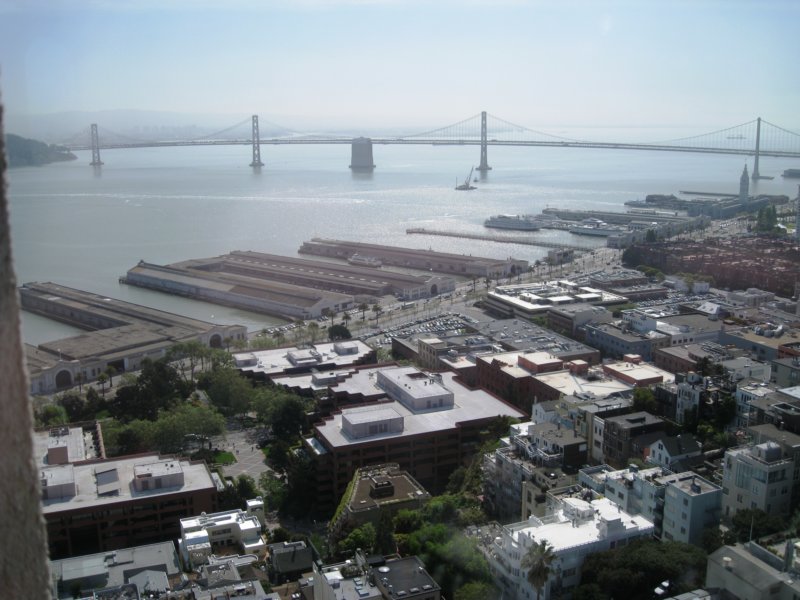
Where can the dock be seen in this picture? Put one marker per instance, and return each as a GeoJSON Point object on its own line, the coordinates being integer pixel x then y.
{"type": "Point", "coordinates": [498, 238]}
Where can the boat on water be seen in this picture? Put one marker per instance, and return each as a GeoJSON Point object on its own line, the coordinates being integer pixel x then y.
{"type": "Point", "coordinates": [515, 222]}
{"type": "Point", "coordinates": [466, 185]}
{"type": "Point", "coordinates": [359, 260]}
{"type": "Point", "coordinates": [596, 227]}
{"type": "Point", "coordinates": [793, 173]}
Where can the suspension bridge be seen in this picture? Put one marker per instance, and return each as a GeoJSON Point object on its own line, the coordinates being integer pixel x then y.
{"type": "Point", "coordinates": [755, 138]}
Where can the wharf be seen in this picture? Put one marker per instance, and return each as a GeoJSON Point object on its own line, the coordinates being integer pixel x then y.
{"type": "Point", "coordinates": [709, 194]}
{"type": "Point", "coordinates": [497, 238]}
{"type": "Point", "coordinates": [614, 218]}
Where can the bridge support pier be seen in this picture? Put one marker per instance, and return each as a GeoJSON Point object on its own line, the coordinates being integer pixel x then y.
{"type": "Point", "coordinates": [484, 165]}
{"type": "Point", "coordinates": [756, 174]}
{"type": "Point", "coordinates": [256, 145]}
{"type": "Point", "coordinates": [361, 154]}
{"type": "Point", "coordinates": [96, 162]}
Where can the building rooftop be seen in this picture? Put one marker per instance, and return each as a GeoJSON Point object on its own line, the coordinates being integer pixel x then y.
{"type": "Point", "coordinates": [402, 487]}
{"type": "Point", "coordinates": [282, 360]}
{"type": "Point", "coordinates": [638, 373]}
{"type": "Point", "coordinates": [109, 482]}
{"type": "Point", "coordinates": [597, 384]}
{"type": "Point", "coordinates": [469, 405]}
{"type": "Point", "coordinates": [115, 568]}
{"type": "Point", "coordinates": [632, 420]}
{"type": "Point", "coordinates": [689, 483]}
{"type": "Point", "coordinates": [576, 523]}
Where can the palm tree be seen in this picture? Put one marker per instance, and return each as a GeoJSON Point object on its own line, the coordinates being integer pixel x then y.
{"type": "Point", "coordinates": [376, 308]}
{"type": "Point", "coordinates": [537, 562]}
{"type": "Point", "coordinates": [110, 371]}
{"type": "Point", "coordinates": [102, 379]}
{"type": "Point", "coordinates": [363, 308]}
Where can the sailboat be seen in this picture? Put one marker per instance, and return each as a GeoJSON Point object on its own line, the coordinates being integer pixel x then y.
{"type": "Point", "coordinates": [466, 185]}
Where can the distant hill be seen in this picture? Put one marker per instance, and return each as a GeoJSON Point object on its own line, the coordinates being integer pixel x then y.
{"type": "Point", "coordinates": [23, 152]}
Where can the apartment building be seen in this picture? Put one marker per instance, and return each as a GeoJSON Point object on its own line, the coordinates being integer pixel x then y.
{"type": "Point", "coordinates": [430, 425]}
{"type": "Point", "coordinates": [757, 477]}
{"type": "Point", "coordinates": [577, 529]}
{"type": "Point", "coordinates": [202, 535]}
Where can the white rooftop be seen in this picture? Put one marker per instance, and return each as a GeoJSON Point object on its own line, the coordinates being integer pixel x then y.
{"type": "Point", "coordinates": [469, 405]}
{"type": "Point", "coordinates": [562, 532]}
{"type": "Point", "coordinates": [277, 361]}
{"type": "Point", "coordinates": [195, 477]}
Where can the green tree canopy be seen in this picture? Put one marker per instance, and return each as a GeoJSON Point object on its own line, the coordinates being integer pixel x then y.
{"type": "Point", "coordinates": [230, 392]}
{"type": "Point", "coordinates": [644, 399]}
{"type": "Point", "coordinates": [635, 570]}
{"type": "Point", "coordinates": [339, 332]}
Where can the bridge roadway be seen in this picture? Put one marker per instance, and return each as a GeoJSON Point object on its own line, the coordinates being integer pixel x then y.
{"type": "Point", "coordinates": [438, 142]}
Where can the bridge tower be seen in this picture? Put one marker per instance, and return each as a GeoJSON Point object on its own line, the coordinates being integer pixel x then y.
{"type": "Point", "coordinates": [256, 145]}
{"type": "Point", "coordinates": [96, 162]}
{"type": "Point", "coordinates": [361, 154]}
{"type": "Point", "coordinates": [484, 166]}
{"type": "Point", "coordinates": [756, 174]}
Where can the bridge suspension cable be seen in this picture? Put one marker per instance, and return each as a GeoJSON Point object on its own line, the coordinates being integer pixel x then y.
{"type": "Point", "coordinates": [470, 125]}
{"type": "Point", "coordinates": [221, 131]}
{"type": "Point", "coordinates": [522, 129]}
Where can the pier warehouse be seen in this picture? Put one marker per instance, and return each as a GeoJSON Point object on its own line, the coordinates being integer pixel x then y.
{"type": "Point", "coordinates": [117, 334]}
{"type": "Point", "coordinates": [426, 260]}
{"type": "Point", "coordinates": [280, 285]}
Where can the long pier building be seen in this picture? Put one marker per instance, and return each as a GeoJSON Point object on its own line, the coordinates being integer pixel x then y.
{"type": "Point", "coordinates": [426, 260]}
{"type": "Point", "coordinates": [281, 285]}
{"type": "Point", "coordinates": [117, 334]}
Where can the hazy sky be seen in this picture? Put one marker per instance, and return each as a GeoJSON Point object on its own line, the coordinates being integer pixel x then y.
{"type": "Point", "coordinates": [541, 64]}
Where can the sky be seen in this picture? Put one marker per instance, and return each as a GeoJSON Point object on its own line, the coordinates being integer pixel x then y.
{"type": "Point", "coordinates": [543, 64]}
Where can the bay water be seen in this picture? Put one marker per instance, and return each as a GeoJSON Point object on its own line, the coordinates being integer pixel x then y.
{"type": "Point", "coordinates": [83, 227]}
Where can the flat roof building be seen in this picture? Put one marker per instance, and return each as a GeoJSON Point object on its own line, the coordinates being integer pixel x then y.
{"type": "Point", "coordinates": [576, 530]}
{"type": "Point", "coordinates": [105, 505]}
{"type": "Point", "coordinates": [266, 364]}
{"type": "Point", "coordinates": [430, 426]}
{"type": "Point", "coordinates": [202, 535]}
{"type": "Point", "coordinates": [157, 564]}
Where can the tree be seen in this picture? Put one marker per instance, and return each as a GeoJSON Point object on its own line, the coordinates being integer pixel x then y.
{"type": "Point", "coordinates": [79, 379]}
{"type": "Point", "coordinates": [476, 590]}
{"type": "Point", "coordinates": [634, 571]}
{"type": "Point", "coordinates": [102, 379]}
{"type": "Point", "coordinates": [110, 371]}
{"type": "Point", "coordinates": [407, 521]}
{"type": "Point", "coordinates": [229, 391]}
{"type": "Point", "coordinates": [74, 406]}
{"type": "Point", "coordinates": [274, 490]}
{"type": "Point", "coordinates": [537, 563]}
{"type": "Point", "coordinates": [287, 416]}
{"type": "Point", "coordinates": [338, 332]}
{"type": "Point", "coordinates": [313, 331]}
{"type": "Point", "coordinates": [376, 308]}
{"type": "Point", "coordinates": [363, 307]}
{"type": "Point", "coordinates": [362, 537]}
{"type": "Point", "coordinates": [238, 492]}
{"type": "Point", "coordinates": [52, 414]}
{"type": "Point", "coordinates": [752, 524]}
{"type": "Point", "coordinates": [644, 400]}
{"type": "Point", "coordinates": [193, 352]}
